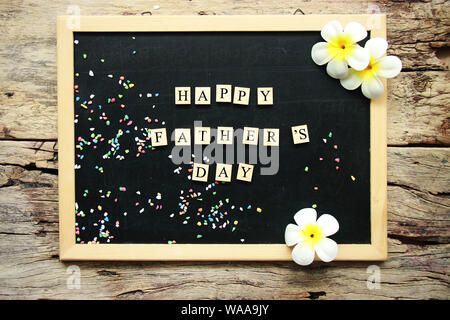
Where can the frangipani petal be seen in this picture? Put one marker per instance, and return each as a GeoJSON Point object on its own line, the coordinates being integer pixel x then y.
{"type": "Point", "coordinates": [359, 58]}
{"type": "Point", "coordinates": [303, 254]}
{"type": "Point", "coordinates": [320, 53]}
{"type": "Point", "coordinates": [337, 68]}
{"type": "Point", "coordinates": [372, 87]}
{"type": "Point", "coordinates": [326, 250]}
{"type": "Point", "coordinates": [331, 30]}
{"type": "Point", "coordinates": [377, 47]}
{"type": "Point", "coordinates": [292, 234]}
{"type": "Point", "coordinates": [329, 224]}
{"type": "Point", "coordinates": [305, 216]}
{"type": "Point", "coordinates": [356, 31]}
{"type": "Point", "coordinates": [388, 67]}
{"type": "Point", "coordinates": [353, 80]}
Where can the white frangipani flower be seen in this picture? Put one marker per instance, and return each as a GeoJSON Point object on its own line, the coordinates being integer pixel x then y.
{"type": "Point", "coordinates": [309, 236]}
{"type": "Point", "coordinates": [379, 66]}
{"type": "Point", "coordinates": [341, 49]}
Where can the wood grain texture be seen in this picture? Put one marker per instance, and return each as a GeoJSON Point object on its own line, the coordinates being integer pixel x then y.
{"type": "Point", "coordinates": [418, 168]}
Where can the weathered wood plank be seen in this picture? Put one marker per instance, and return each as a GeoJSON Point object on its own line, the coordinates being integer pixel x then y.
{"type": "Point", "coordinates": [418, 217]}
{"type": "Point", "coordinates": [419, 168]}
{"type": "Point", "coordinates": [415, 29]}
{"type": "Point", "coordinates": [31, 271]}
{"type": "Point", "coordinates": [425, 169]}
{"type": "Point", "coordinates": [418, 193]}
{"type": "Point", "coordinates": [23, 153]}
{"type": "Point", "coordinates": [28, 90]}
{"type": "Point", "coordinates": [418, 110]}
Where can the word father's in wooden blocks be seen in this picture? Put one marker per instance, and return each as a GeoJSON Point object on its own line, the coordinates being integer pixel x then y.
{"type": "Point", "coordinates": [224, 93]}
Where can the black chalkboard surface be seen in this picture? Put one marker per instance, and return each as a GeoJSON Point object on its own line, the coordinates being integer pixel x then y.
{"type": "Point", "coordinates": [128, 192]}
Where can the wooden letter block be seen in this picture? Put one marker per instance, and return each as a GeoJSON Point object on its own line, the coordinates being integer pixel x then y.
{"type": "Point", "coordinates": [223, 172]}
{"type": "Point", "coordinates": [241, 95]}
{"type": "Point", "coordinates": [223, 93]}
{"type": "Point", "coordinates": [182, 137]}
{"type": "Point", "coordinates": [250, 136]}
{"type": "Point", "coordinates": [225, 135]}
{"type": "Point", "coordinates": [200, 172]}
{"type": "Point", "coordinates": [203, 95]}
{"type": "Point", "coordinates": [265, 96]}
{"type": "Point", "coordinates": [245, 172]}
{"type": "Point", "coordinates": [300, 134]}
{"type": "Point", "coordinates": [158, 137]}
{"type": "Point", "coordinates": [271, 137]}
{"type": "Point", "coordinates": [202, 135]}
{"type": "Point", "coordinates": [182, 95]}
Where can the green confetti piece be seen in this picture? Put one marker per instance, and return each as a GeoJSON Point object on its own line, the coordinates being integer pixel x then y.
{"type": "Point", "coordinates": [314, 206]}
{"type": "Point", "coordinates": [306, 169]}
{"type": "Point", "coordinates": [330, 134]}
{"type": "Point", "coordinates": [199, 236]}
{"type": "Point", "coordinates": [84, 55]}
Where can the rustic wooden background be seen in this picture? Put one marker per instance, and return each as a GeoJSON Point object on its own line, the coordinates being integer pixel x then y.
{"type": "Point", "coordinates": [418, 167]}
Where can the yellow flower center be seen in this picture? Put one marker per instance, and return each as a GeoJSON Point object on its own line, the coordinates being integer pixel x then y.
{"type": "Point", "coordinates": [312, 234]}
{"type": "Point", "coordinates": [371, 70]}
{"type": "Point", "coordinates": [341, 46]}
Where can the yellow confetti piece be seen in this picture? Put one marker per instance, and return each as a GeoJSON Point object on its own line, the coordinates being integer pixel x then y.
{"type": "Point", "coordinates": [353, 178]}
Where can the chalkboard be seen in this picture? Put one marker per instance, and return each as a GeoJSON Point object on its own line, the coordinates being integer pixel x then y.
{"type": "Point", "coordinates": [128, 193]}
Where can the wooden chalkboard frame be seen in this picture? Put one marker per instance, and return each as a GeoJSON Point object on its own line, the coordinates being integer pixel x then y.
{"type": "Point", "coordinates": [69, 250]}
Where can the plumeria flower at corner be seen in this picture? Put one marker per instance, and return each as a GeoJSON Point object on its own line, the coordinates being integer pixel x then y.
{"type": "Point", "coordinates": [379, 66]}
{"type": "Point", "coordinates": [309, 236]}
{"type": "Point", "coordinates": [341, 48]}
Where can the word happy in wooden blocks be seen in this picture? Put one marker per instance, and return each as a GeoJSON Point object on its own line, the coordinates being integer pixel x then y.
{"type": "Point", "coordinates": [182, 95]}
{"type": "Point", "coordinates": [245, 172]}
{"type": "Point", "coordinates": [300, 134]}
{"type": "Point", "coordinates": [200, 172]}
{"type": "Point", "coordinates": [158, 137]}
{"type": "Point", "coordinates": [223, 172]}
